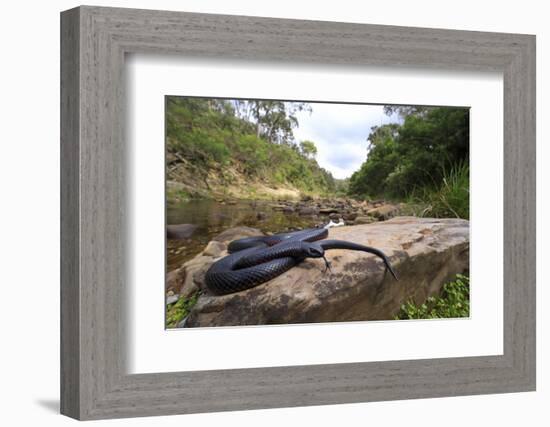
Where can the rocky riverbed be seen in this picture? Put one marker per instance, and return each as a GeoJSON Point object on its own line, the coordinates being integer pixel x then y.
{"type": "Point", "coordinates": [425, 252]}
{"type": "Point", "coordinates": [350, 210]}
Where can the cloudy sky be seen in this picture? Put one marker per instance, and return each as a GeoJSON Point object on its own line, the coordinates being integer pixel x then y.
{"type": "Point", "coordinates": [340, 132]}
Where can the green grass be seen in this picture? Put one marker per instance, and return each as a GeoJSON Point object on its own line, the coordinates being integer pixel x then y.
{"type": "Point", "coordinates": [451, 199]}
{"type": "Point", "coordinates": [177, 311]}
{"type": "Point", "coordinates": [454, 301]}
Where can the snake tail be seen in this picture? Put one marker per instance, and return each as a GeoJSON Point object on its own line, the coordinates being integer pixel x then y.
{"type": "Point", "coordinates": [341, 244]}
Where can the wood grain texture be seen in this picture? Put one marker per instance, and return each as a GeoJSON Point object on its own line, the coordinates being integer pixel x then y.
{"type": "Point", "coordinates": [70, 259]}
{"type": "Point", "coordinates": [94, 269]}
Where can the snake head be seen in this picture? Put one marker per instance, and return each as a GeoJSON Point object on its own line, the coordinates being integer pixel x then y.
{"type": "Point", "coordinates": [314, 251]}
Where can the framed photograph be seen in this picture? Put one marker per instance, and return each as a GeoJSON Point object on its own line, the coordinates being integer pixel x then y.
{"type": "Point", "coordinates": [262, 213]}
{"type": "Point", "coordinates": [305, 173]}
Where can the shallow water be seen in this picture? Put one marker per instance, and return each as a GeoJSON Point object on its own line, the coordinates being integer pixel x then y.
{"type": "Point", "coordinates": [213, 217]}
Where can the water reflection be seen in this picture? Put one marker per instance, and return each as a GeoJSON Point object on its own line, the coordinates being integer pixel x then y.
{"type": "Point", "coordinates": [213, 217]}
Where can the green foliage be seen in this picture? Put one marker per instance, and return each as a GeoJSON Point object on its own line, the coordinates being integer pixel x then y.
{"type": "Point", "coordinates": [177, 311]}
{"type": "Point", "coordinates": [454, 301]}
{"type": "Point", "coordinates": [341, 187]}
{"type": "Point", "coordinates": [405, 157]}
{"type": "Point", "coordinates": [308, 149]}
{"type": "Point", "coordinates": [273, 120]}
{"type": "Point", "coordinates": [382, 160]}
{"type": "Point", "coordinates": [252, 153]}
{"type": "Point", "coordinates": [196, 130]}
{"type": "Point", "coordinates": [450, 199]}
{"type": "Point", "coordinates": [214, 133]}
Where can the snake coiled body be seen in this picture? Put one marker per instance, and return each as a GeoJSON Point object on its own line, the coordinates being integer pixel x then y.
{"type": "Point", "coordinates": [255, 260]}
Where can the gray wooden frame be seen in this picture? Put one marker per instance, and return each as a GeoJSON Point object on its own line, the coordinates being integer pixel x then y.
{"type": "Point", "coordinates": [94, 41]}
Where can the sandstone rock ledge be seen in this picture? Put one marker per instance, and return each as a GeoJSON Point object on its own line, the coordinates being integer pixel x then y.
{"type": "Point", "coordinates": [426, 253]}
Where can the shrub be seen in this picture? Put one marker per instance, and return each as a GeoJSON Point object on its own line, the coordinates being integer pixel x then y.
{"type": "Point", "coordinates": [450, 199]}
{"type": "Point", "coordinates": [454, 301]}
{"type": "Point", "coordinates": [412, 154]}
{"type": "Point", "coordinates": [177, 311]}
{"type": "Point", "coordinates": [209, 134]}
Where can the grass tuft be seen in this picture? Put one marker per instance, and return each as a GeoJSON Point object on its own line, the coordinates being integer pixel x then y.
{"type": "Point", "coordinates": [177, 311]}
{"type": "Point", "coordinates": [454, 301]}
{"type": "Point", "coordinates": [449, 200]}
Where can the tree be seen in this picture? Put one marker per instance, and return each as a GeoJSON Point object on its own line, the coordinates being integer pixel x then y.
{"type": "Point", "coordinates": [405, 110]}
{"type": "Point", "coordinates": [308, 149]}
{"type": "Point", "coordinates": [274, 120]}
{"type": "Point", "coordinates": [416, 153]}
{"type": "Point", "coordinates": [205, 135]}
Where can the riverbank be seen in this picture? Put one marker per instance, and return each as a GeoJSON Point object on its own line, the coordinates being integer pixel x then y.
{"type": "Point", "coordinates": [178, 192]}
{"type": "Point", "coordinates": [188, 181]}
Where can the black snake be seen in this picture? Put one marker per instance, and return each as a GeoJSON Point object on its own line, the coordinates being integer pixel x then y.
{"type": "Point", "coordinates": [255, 260]}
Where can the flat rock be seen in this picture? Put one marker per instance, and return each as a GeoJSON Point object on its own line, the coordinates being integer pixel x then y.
{"type": "Point", "coordinates": [383, 212]}
{"type": "Point", "coordinates": [174, 280]}
{"type": "Point", "coordinates": [308, 210]}
{"type": "Point", "coordinates": [363, 219]}
{"type": "Point", "coordinates": [214, 248]}
{"type": "Point", "coordinates": [426, 253]}
{"type": "Point", "coordinates": [193, 272]}
{"type": "Point", "coordinates": [351, 216]}
{"type": "Point", "coordinates": [180, 231]}
{"type": "Point", "coordinates": [237, 233]}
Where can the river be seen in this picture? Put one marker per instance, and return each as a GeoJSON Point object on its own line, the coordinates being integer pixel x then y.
{"type": "Point", "coordinates": [213, 217]}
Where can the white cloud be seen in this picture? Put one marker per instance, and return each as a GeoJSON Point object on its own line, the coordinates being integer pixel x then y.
{"type": "Point", "coordinates": [340, 132]}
